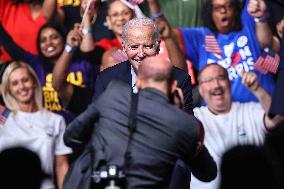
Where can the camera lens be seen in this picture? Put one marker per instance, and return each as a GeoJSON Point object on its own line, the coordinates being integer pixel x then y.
{"type": "Point", "coordinates": [113, 171]}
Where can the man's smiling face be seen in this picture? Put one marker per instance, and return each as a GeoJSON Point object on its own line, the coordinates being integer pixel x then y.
{"type": "Point", "coordinates": [140, 43]}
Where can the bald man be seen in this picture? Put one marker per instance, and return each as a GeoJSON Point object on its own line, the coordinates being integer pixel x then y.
{"type": "Point", "coordinates": [163, 133]}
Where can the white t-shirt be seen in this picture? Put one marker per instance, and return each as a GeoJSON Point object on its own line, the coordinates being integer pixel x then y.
{"type": "Point", "coordinates": [243, 125]}
{"type": "Point", "coordinates": [41, 131]}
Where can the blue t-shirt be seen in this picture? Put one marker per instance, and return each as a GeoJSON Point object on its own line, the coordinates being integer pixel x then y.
{"type": "Point", "coordinates": [240, 50]}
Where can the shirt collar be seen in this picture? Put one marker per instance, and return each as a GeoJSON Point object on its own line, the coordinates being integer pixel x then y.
{"type": "Point", "coordinates": [133, 80]}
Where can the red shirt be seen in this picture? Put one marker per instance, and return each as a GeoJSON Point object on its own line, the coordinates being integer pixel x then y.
{"type": "Point", "coordinates": [18, 22]}
{"type": "Point", "coordinates": [109, 43]}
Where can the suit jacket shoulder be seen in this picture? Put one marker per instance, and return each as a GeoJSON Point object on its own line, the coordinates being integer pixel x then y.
{"type": "Point", "coordinates": [116, 89]}
{"type": "Point", "coordinates": [121, 71]}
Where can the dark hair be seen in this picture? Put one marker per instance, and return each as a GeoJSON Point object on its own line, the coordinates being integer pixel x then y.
{"type": "Point", "coordinates": [109, 2]}
{"type": "Point", "coordinates": [56, 26]}
{"type": "Point", "coordinates": [20, 168]}
{"type": "Point", "coordinates": [27, 1]}
{"type": "Point", "coordinates": [246, 167]}
{"type": "Point", "coordinates": [208, 20]}
{"type": "Point", "coordinates": [273, 146]}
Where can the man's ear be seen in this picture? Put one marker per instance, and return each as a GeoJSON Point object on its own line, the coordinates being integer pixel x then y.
{"type": "Point", "coordinates": [138, 83]}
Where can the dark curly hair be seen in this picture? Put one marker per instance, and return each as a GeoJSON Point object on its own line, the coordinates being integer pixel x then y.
{"type": "Point", "coordinates": [56, 26]}
{"type": "Point", "coordinates": [208, 20]}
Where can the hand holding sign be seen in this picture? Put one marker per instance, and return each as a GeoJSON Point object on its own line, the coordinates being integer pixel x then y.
{"type": "Point", "coordinates": [134, 2]}
{"type": "Point", "coordinates": [89, 9]}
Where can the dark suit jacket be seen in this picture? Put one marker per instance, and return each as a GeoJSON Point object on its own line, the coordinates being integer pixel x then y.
{"type": "Point", "coordinates": [163, 134]}
{"type": "Point", "coordinates": [122, 72]}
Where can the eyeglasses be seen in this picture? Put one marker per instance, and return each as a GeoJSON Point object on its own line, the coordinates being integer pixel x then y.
{"type": "Point", "coordinates": [227, 7]}
{"type": "Point", "coordinates": [211, 80]}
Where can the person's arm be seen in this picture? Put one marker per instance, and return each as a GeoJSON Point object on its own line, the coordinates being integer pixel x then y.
{"type": "Point", "coordinates": [88, 44]}
{"type": "Point", "coordinates": [82, 95]}
{"type": "Point", "coordinates": [79, 36]}
{"type": "Point", "coordinates": [277, 104]}
{"type": "Point", "coordinates": [135, 2]}
{"type": "Point", "coordinates": [49, 9]}
{"type": "Point", "coordinates": [61, 67]}
{"type": "Point", "coordinates": [15, 51]}
{"type": "Point", "coordinates": [276, 45]}
{"type": "Point", "coordinates": [184, 82]}
{"type": "Point", "coordinates": [280, 28]}
{"type": "Point", "coordinates": [250, 80]}
{"type": "Point", "coordinates": [61, 168]}
{"type": "Point", "coordinates": [258, 9]}
{"type": "Point", "coordinates": [175, 53]}
{"type": "Point", "coordinates": [202, 165]}
{"type": "Point", "coordinates": [80, 129]}
{"type": "Point", "coordinates": [99, 88]}
{"type": "Point", "coordinates": [4, 5]}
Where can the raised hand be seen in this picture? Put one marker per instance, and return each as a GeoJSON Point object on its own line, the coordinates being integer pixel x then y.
{"type": "Point", "coordinates": [75, 36]}
{"type": "Point", "coordinates": [250, 80]}
{"type": "Point", "coordinates": [164, 27]}
{"type": "Point", "coordinates": [257, 8]}
{"type": "Point", "coordinates": [92, 6]}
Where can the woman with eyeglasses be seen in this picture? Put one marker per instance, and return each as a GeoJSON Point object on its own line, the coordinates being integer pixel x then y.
{"type": "Point", "coordinates": [118, 13]}
{"type": "Point", "coordinates": [233, 36]}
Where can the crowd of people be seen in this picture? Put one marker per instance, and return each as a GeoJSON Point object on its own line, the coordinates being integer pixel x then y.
{"type": "Point", "coordinates": [93, 86]}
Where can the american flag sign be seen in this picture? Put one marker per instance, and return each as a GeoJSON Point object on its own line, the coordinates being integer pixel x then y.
{"type": "Point", "coordinates": [267, 62]}
{"type": "Point", "coordinates": [4, 113]}
{"type": "Point", "coordinates": [211, 44]}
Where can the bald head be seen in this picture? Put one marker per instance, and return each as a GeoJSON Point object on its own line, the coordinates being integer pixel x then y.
{"type": "Point", "coordinates": [156, 69]}
{"type": "Point", "coordinates": [156, 72]}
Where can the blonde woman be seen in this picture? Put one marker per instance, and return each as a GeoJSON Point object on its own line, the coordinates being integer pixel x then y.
{"type": "Point", "coordinates": [29, 125]}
